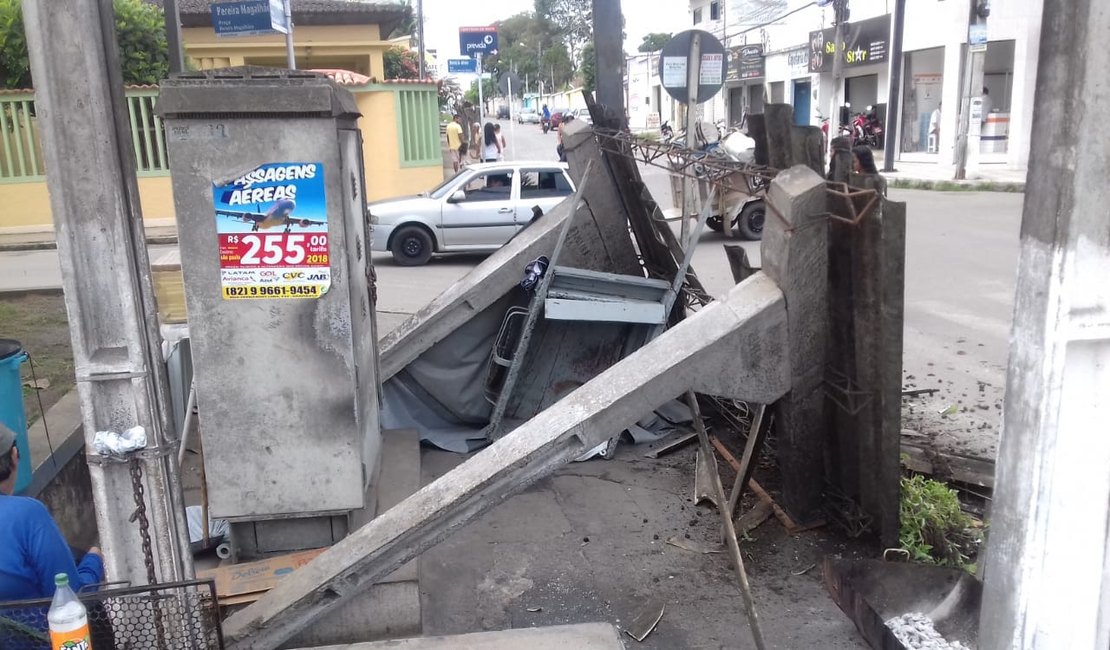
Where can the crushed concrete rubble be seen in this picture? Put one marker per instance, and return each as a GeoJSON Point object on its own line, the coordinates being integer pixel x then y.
{"type": "Point", "coordinates": [916, 632]}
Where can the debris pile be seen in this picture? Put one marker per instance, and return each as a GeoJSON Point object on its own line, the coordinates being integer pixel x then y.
{"type": "Point", "coordinates": [916, 632]}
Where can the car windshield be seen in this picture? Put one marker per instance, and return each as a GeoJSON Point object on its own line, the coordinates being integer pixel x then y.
{"type": "Point", "coordinates": [440, 190]}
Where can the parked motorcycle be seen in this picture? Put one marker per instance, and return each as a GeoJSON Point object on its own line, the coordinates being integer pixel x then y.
{"type": "Point", "coordinates": [666, 132]}
{"type": "Point", "coordinates": [867, 129]}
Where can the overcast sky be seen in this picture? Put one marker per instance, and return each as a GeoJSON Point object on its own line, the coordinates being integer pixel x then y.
{"type": "Point", "coordinates": [442, 19]}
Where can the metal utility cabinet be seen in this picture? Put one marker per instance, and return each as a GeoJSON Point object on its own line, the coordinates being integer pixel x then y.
{"type": "Point", "coordinates": [270, 198]}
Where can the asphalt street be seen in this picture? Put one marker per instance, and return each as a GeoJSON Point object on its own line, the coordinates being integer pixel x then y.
{"type": "Point", "coordinates": [961, 261]}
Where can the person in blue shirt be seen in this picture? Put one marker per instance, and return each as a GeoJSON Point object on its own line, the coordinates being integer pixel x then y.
{"type": "Point", "coordinates": [32, 549]}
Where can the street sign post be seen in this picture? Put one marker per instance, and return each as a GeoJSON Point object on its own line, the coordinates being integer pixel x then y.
{"type": "Point", "coordinates": [457, 66]}
{"type": "Point", "coordinates": [477, 40]}
{"type": "Point", "coordinates": [692, 69]}
{"type": "Point", "coordinates": [249, 17]}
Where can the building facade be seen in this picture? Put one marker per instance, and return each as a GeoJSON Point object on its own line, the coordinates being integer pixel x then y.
{"type": "Point", "coordinates": [778, 52]}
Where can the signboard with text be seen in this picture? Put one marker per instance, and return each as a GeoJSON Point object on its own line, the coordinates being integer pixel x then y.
{"type": "Point", "coordinates": [249, 17]}
{"type": "Point", "coordinates": [865, 42]}
{"type": "Point", "coordinates": [674, 61]}
{"type": "Point", "coordinates": [749, 62]}
{"type": "Point", "coordinates": [477, 40]}
{"type": "Point", "coordinates": [462, 65]}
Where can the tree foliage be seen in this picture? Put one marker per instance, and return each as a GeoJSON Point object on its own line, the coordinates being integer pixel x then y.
{"type": "Point", "coordinates": [400, 63]}
{"type": "Point", "coordinates": [530, 47]}
{"type": "Point", "coordinates": [15, 69]}
{"type": "Point", "coordinates": [570, 22]}
{"type": "Point", "coordinates": [140, 31]}
{"type": "Point", "coordinates": [589, 67]}
{"type": "Point", "coordinates": [654, 41]}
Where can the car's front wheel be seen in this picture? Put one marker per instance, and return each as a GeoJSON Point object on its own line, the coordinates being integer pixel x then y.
{"type": "Point", "coordinates": [412, 246]}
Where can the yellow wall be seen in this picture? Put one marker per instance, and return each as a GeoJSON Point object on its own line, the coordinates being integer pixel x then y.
{"type": "Point", "coordinates": [27, 205]}
{"type": "Point", "coordinates": [381, 151]}
{"type": "Point", "coordinates": [358, 48]}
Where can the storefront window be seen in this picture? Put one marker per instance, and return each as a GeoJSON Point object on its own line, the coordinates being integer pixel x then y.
{"type": "Point", "coordinates": [998, 82]}
{"type": "Point", "coordinates": [924, 77]}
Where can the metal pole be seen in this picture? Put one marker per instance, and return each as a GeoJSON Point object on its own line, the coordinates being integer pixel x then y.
{"type": "Point", "coordinates": [693, 79]}
{"type": "Point", "coordinates": [480, 100]}
{"type": "Point", "coordinates": [893, 109]}
{"type": "Point", "coordinates": [173, 36]}
{"type": "Point", "coordinates": [121, 379]}
{"type": "Point", "coordinates": [291, 59]}
{"type": "Point", "coordinates": [512, 122]}
{"type": "Point", "coordinates": [839, 8]}
{"type": "Point", "coordinates": [967, 142]}
{"type": "Point", "coordinates": [420, 35]}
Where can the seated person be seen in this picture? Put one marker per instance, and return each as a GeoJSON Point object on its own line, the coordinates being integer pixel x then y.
{"type": "Point", "coordinates": [32, 549]}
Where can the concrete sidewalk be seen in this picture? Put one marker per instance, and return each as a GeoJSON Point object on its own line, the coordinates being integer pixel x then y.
{"type": "Point", "coordinates": [160, 231]}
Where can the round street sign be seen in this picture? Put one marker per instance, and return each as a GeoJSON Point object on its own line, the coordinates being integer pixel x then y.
{"type": "Point", "coordinates": [674, 62]}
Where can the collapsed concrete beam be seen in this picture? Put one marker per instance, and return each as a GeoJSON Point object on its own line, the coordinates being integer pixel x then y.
{"type": "Point", "coordinates": [598, 241]}
{"type": "Point", "coordinates": [733, 348]}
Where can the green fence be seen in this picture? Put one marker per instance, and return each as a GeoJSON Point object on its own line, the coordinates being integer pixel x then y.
{"type": "Point", "coordinates": [21, 143]}
{"type": "Point", "coordinates": [418, 127]}
{"type": "Point", "coordinates": [22, 149]}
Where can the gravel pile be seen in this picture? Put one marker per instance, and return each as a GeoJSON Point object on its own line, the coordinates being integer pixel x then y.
{"type": "Point", "coordinates": [916, 632]}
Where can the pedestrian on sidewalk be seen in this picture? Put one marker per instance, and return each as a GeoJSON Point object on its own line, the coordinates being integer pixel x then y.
{"type": "Point", "coordinates": [32, 549]}
{"type": "Point", "coordinates": [500, 141]}
{"type": "Point", "coordinates": [491, 145]}
{"type": "Point", "coordinates": [454, 141]}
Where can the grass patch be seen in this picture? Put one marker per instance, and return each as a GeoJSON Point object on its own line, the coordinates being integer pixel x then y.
{"type": "Point", "coordinates": [954, 186]}
{"type": "Point", "coordinates": [39, 322]}
{"type": "Point", "coordinates": [934, 529]}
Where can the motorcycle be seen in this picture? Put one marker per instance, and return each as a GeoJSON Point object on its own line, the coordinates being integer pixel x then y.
{"type": "Point", "coordinates": [666, 132]}
{"type": "Point", "coordinates": [545, 122]}
{"type": "Point", "coordinates": [867, 129]}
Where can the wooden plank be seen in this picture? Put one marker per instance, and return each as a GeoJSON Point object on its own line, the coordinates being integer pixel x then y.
{"type": "Point", "coordinates": [756, 434]}
{"type": "Point", "coordinates": [947, 466]}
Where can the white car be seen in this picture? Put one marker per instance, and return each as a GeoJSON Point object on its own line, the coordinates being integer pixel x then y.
{"type": "Point", "coordinates": [528, 116]}
{"type": "Point", "coordinates": [476, 210]}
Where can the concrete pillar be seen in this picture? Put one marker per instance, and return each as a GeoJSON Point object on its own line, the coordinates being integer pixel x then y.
{"type": "Point", "coordinates": [121, 379]}
{"type": "Point", "coordinates": [779, 122]}
{"type": "Point", "coordinates": [795, 255]}
{"type": "Point", "coordinates": [1047, 573]}
{"type": "Point", "coordinates": [866, 286]}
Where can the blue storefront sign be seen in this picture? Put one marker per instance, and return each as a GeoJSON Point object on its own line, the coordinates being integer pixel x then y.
{"type": "Point", "coordinates": [249, 17]}
{"type": "Point", "coordinates": [461, 65]}
{"type": "Point", "coordinates": [477, 40]}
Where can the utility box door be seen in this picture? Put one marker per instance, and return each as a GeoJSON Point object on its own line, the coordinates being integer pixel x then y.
{"type": "Point", "coordinates": [284, 352]}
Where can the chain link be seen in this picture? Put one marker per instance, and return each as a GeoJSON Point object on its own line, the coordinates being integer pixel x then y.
{"type": "Point", "coordinates": [135, 468]}
{"type": "Point", "coordinates": [138, 491]}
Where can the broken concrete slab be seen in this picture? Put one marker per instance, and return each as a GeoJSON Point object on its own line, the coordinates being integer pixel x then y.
{"type": "Point", "coordinates": [584, 636]}
{"type": "Point", "coordinates": [733, 348]}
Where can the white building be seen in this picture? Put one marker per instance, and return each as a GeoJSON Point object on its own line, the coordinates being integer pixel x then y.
{"type": "Point", "coordinates": [790, 55]}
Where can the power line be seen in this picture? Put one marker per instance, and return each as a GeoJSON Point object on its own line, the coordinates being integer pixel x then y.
{"type": "Point", "coordinates": [770, 22]}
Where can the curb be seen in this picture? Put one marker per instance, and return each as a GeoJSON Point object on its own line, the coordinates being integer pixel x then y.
{"type": "Point", "coordinates": [47, 245]}
{"type": "Point", "coordinates": [954, 186]}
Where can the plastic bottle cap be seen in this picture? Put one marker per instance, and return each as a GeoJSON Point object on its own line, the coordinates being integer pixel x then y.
{"type": "Point", "coordinates": [61, 580]}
